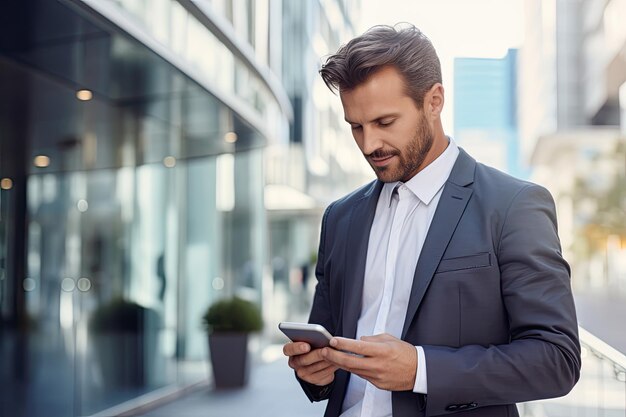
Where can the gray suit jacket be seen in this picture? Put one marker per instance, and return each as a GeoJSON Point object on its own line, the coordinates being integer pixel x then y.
{"type": "Point", "coordinates": [491, 302]}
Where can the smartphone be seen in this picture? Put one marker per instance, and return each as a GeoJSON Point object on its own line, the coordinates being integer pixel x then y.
{"type": "Point", "coordinates": [314, 334]}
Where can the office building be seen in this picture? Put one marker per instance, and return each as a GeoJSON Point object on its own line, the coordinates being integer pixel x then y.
{"type": "Point", "coordinates": [136, 143]}
{"type": "Point", "coordinates": [485, 110]}
{"type": "Point", "coordinates": [572, 67]}
{"type": "Point", "coordinates": [550, 71]}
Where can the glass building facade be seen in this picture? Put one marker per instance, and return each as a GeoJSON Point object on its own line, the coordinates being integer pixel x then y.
{"type": "Point", "coordinates": [321, 161]}
{"type": "Point", "coordinates": [485, 111]}
{"type": "Point", "coordinates": [132, 140]}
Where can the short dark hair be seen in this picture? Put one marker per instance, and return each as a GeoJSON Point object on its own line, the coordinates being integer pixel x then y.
{"type": "Point", "coordinates": [404, 47]}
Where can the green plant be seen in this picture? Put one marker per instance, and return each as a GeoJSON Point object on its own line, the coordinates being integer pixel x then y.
{"type": "Point", "coordinates": [120, 315]}
{"type": "Point", "coordinates": [232, 315]}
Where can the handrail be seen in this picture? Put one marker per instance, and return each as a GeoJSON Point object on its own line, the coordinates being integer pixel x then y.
{"type": "Point", "coordinates": [599, 346]}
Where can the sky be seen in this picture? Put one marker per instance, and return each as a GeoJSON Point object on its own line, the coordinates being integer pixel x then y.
{"type": "Point", "coordinates": [457, 28]}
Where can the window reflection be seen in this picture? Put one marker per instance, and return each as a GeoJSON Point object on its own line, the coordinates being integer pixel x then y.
{"type": "Point", "coordinates": [170, 23]}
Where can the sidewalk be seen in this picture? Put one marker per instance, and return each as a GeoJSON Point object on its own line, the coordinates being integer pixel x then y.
{"type": "Point", "coordinates": [271, 392]}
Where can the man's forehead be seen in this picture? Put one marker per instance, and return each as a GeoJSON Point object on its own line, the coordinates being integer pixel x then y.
{"type": "Point", "coordinates": [361, 111]}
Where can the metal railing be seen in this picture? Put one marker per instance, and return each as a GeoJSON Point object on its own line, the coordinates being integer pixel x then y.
{"type": "Point", "coordinates": [601, 390]}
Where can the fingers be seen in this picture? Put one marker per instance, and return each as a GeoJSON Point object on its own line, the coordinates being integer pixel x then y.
{"type": "Point", "coordinates": [296, 348]}
{"type": "Point", "coordinates": [360, 347]}
{"type": "Point", "coordinates": [322, 373]}
{"type": "Point", "coordinates": [321, 366]}
{"type": "Point", "coordinates": [324, 376]}
{"type": "Point", "coordinates": [383, 337]}
{"type": "Point", "coordinates": [384, 360]}
{"type": "Point", "coordinates": [343, 360]}
{"type": "Point", "coordinates": [311, 367]}
{"type": "Point", "coordinates": [306, 359]}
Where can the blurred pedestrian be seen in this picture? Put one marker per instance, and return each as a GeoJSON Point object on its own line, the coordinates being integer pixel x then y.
{"type": "Point", "coordinates": [160, 268]}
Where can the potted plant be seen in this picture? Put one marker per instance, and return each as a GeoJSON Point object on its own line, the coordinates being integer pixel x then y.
{"type": "Point", "coordinates": [228, 323]}
{"type": "Point", "coordinates": [124, 336]}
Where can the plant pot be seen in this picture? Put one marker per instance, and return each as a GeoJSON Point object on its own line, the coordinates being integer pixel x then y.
{"type": "Point", "coordinates": [229, 359]}
{"type": "Point", "coordinates": [125, 359]}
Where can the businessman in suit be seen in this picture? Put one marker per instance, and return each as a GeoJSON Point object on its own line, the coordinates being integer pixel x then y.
{"type": "Point", "coordinates": [443, 280]}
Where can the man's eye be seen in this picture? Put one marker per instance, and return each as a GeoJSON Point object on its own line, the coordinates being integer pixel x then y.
{"type": "Point", "coordinates": [355, 127]}
{"type": "Point", "coordinates": [385, 122]}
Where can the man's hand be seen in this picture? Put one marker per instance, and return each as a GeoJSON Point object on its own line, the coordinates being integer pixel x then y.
{"type": "Point", "coordinates": [309, 365]}
{"type": "Point", "coordinates": [386, 361]}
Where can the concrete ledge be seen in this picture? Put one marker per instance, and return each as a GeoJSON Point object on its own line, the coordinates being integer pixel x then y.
{"type": "Point", "coordinates": [151, 400]}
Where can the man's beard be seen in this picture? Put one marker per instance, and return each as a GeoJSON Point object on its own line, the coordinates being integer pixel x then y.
{"type": "Point", "coordinates": [409, 159]}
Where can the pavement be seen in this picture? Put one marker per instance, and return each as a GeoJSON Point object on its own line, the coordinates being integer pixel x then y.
{"type": "Point", "coordinates": [272, 391]}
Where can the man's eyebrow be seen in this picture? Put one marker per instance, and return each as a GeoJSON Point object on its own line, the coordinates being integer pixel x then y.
{"type": "Point", "coordinates": [384, 116]}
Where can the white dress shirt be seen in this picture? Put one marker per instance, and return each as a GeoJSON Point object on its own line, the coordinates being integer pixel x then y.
{"type": "Point", "coordinates": [403, 215]}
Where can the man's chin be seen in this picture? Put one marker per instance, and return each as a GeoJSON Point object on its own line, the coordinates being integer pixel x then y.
{"type": "Point", "coordinates": [385, 175]}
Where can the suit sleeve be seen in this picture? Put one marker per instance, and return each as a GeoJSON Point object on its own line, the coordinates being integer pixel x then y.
{"type": "Point", "coordinates": [320, 311]}
{"type": "Point", "coordinates": [542, 359]}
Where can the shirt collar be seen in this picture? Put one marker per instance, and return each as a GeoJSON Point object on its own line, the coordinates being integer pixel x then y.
{"type": "Point", "coordinates": [387, 192]}
{"type": "Point", "coordinates": [427, 183]}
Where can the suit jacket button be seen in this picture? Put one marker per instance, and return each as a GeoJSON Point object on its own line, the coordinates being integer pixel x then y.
{"type": "Point", "coordinates": [452, 407]}
{"type": "Point", "coordinates": [463, 406]}
{"type": "Point", "coordinates": [473, 405]}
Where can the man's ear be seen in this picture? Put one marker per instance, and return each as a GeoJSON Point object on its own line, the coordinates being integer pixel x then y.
{"type": "Point", "coordinates": [434, 100]}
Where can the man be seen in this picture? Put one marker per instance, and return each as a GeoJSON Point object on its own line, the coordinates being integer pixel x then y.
{"type": "Point", "coordinates": [443, 280]}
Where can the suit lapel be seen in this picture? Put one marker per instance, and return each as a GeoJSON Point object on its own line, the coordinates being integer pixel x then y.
{"type": "Point", "coordinates": [452, 203]}
{"type": "Point", "coordinates": [361, 219]}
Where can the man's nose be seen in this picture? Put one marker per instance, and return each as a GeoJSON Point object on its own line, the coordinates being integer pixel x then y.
{"type": "Point", "coordinates": [371, 141]}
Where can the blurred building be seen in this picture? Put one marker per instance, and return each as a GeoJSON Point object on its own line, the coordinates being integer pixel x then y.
{"type": "Point", "coordinates": [585, 169]}
{"type": "Point", "coordinates": [321, 161]}
{"type": "Point", "coordinates": [604, 59]}
{"type": "Point", "coordinates": [154, 155]}
{"type": "Point", "coordinates": [550, 70]}
{"type": "Point", "coordinates": [572, 66]}
{"type": "Point", "coordinates": [485, 110]}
